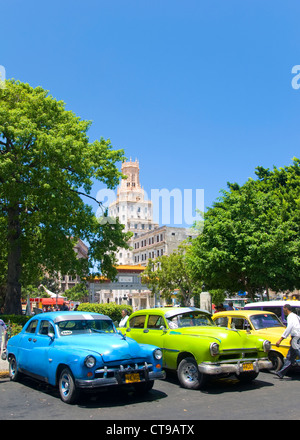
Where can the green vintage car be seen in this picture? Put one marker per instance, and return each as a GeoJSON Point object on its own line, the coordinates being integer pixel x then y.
{"type": "Point", "coordinates": [195, 347]}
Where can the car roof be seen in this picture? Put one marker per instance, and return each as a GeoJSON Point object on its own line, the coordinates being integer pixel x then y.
{"type": "Point", "coordinates": [243, 312]}
{"type": "Point", "coordinates": [275, 303]}
{"type": "Point", "coordinates": [66, 315]}
{"type": "Point", "coordinates": [168, 312]}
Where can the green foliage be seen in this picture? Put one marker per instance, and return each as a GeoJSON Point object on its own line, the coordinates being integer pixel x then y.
{"type": "Point", "coordinates": [77, 293]}
{"type": "Point", "coordinates": [19, 320]}
{"type": "Point", "coordinates": [110, 309]}
{"type": "Point", "coordinates": [251, 235]}
{"type": "Point", "coordinates": [47, 164]}
{"type": "Point", "coordinates": [172, 272]}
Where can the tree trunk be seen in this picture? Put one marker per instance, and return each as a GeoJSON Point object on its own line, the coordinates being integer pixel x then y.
{"type": "Point", "coordinates": [13, 303]}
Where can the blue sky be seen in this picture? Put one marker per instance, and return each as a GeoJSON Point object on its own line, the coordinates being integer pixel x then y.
{"type": "Point", "coordinates": [199, 91]}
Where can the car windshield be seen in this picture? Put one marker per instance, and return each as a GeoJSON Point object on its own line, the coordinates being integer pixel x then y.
{"type": "Point", "coordinates": [264, 321]}
{"type": "Point", "coordinates": [84, 326]}
{"type": "Point", "coordinates": [189, 319]}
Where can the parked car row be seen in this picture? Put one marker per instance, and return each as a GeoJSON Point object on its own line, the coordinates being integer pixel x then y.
{"type": "Point", "coordinates": [196, 348]}
{"type": "Point", "coordinates": [80, 350]}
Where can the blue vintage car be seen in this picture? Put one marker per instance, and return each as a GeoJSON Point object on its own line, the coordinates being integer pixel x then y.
{"type": "Point", "coordinates": [79, 350]}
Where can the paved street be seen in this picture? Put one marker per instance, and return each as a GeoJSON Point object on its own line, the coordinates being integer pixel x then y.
{"type": "Point", "coordinates": [267, 398]}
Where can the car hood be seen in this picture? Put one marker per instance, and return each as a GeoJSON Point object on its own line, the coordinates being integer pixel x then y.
{"type": "Point", "coordinates": [227, 338]}
{"type": "Point", "coordinates": [111, 347]}
{"type": "Point", "coordinates": [269, 333]}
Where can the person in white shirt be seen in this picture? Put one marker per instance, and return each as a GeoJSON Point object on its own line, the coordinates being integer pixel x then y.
{"type": "Point", "coordinates": [124, 319]}
{"type": "Point", "coordinates": [3, 335]}
{"type": "Point", "coordinates": [293, 330]}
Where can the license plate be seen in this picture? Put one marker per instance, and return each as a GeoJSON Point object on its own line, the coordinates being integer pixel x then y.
{"type": "Point", "coordinates": [133, 377]}
{"type": "Point", "coordinates": [248, 366]}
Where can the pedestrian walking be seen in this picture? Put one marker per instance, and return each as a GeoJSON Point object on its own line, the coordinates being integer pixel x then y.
{"type": "Point", "coordinates": [293, 330]}
{"type": "Point", "coordinates": [3, 335]}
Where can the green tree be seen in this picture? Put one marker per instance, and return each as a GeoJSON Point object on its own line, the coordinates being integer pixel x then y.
{"type": "Point", "coordinates": [47, 165]}
{"type": "Point", "coordinates": [251, 235]}
{"type": "Point", "coordinates": [171, 273]}
{"type": "Point", "coordinates": [77, 293]}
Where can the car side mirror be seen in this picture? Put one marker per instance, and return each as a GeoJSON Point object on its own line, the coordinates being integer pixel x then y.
{"type": "Point", "coordinates": [51, 336]}
{"type": "Point", "coordinates": [163, 328]}
{"type": "Point", "coordinates": [121, 334]}
{"type": "Point", "coordinates": [247, 327]}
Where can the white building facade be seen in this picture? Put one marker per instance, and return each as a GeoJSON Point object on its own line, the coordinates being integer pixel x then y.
{"type": "Point", "coordinates": [133, 210]}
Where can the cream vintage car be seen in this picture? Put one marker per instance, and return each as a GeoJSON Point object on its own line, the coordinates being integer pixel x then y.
{"type": "Point", "coordinates": [260, 323]}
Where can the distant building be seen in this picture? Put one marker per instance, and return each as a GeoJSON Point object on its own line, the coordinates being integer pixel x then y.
{"type": "Point", "coordinates": [159, 242]}
{"type": "Point", "coordinates": [148, 241]}
{"type": "Point", "coordinates": [133, 210]}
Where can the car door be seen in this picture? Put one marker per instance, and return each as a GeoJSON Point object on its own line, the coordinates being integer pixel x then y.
{"type": "Point", "coordinates": [155, 330]}
{"type": "Point", "coordinates": [157, 333]}
{"type": "Point", "coordinates": [26, 345]}
{"type": "Point", "coordinates": [42, 343]}
{"type": "Point", "coordinates": [135, 329]}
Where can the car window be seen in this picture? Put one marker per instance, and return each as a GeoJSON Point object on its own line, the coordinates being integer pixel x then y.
{"type": "Point", "coordinates": [239, 323]}
{"type": "Point", "coordinates": [222, 321]}
{"type": "Point", "coordinates": [32, 326]}
{"type": "Point", "coordinates": [155, 322]}
{"type": "Point", "coordinates": [84, 326]}
{"type": "Point", "coordinates": [265, 321]}
{"type": "Point", "coordinates": [276, 310]}
{"type": "Point", "coordinates": [46, 327]}
{"type": "Point", "coordinates": [189, 319]}
{"type": "Point", "coordinates": [137, 321]}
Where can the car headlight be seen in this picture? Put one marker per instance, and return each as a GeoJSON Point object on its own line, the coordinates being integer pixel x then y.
{"type": "Point", "coordinates": [214, 349]}
{"type": "Point", "coordinates": [157, 354]}
{"type": "Point", "coordinates": [90, 361]}
{"type": "Point", "coordinates": [267, 346]}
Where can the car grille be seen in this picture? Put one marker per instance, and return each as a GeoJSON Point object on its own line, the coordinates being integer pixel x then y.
{"type": "Point", "coordinates": [126, 368]}
{"type": "Point", "coordinates": [234, 355]}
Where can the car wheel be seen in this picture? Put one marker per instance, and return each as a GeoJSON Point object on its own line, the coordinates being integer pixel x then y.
{"type": "Point", "coordinates": [276, 360]}
{"type": "Point", "coordinates": [14, 374]}
{"type": "Point", "coordinates": [143, 387]}
{"type": "Point", "coordinates": [67, 388]}
{"type": "Point", "coordinates": [189, 375]}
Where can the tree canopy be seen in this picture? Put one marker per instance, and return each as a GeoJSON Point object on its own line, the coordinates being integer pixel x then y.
{"type": "Point", "coordinates": [251, 235]}
{"type": "Point", "coordinates": [47, 166]}
{"type": "Point", "coordinates": [170, 274]}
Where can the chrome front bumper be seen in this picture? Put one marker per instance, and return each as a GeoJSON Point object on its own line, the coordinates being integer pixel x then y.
{"type": "Point", "coordinates": [116, 380]}
{"type": "Point", "coordinates": [237, 368]}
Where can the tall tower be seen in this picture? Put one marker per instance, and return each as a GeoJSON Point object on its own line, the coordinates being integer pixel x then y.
{"type": "Point", "coordinates": [133, 210]}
